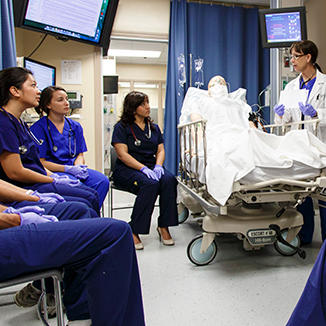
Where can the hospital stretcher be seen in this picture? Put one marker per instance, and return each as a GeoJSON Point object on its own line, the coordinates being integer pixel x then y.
{"type": "Point", "coordinates": [259, 214]}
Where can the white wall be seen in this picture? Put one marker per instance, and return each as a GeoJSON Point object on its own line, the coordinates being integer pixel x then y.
{"type": "Point", "coordinates": [147, 17]}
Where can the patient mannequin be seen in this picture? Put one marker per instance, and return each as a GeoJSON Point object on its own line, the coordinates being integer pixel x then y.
{"type": "Point", "coordinates": [217, 88]}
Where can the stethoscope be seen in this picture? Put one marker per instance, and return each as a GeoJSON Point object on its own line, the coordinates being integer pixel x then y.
{"type": "Point", "coordinates": [137, 141]}
{"type": "Point", "coordinates": [22, 148]}
{"type": "Point", "coordinates": [71, 133]}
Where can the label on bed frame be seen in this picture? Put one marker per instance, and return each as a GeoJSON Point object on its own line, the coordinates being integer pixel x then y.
{"type": "Point", "coordinates": [261, 236]}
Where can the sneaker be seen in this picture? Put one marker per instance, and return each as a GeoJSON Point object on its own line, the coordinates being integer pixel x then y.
{"type": "Point", "coordinates": [50, 305]}
{"type": "Point", "coordinates": [28, 296]}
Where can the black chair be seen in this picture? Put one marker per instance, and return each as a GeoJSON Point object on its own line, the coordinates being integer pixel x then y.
{"type": "Point", "coordinates": [113, 159]}
{"type": "Point", "coordinates": [57, 279]}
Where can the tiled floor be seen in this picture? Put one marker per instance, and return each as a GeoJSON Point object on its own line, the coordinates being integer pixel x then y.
{"type": "Point", "coordinates": [238, 288]}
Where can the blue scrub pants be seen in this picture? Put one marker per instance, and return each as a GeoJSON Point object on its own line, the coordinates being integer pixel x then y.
{"type": "Point", "coordinates": [62, 211]}
{"type": "Point", "coordinates": [80, 193]}
{"type": "Point", "coordinates": [99, 182]}
{"type": "Point", "coordinates": [101, 279]}
{"type": "Point", "coordinates": [307, 230]}
{"type": "Point", "coordinates": [147, 190]}
{"type": "Point", "coordinates": [311, 307]}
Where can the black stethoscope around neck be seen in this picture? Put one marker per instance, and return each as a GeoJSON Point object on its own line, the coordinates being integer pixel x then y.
{"type": "Point", "coordinates": [22, 148]}
{"type": "Point", "coordinates": [137, 141]}
{"type": "Point", "coordinates": [71, 134]}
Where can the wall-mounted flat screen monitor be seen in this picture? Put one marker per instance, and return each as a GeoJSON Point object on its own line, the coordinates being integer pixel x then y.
{"type": "Point", "coordinates": [87, 21]}
{"type": "Point", "coordinates": [110, 84]}
{"type": "Point", "coordinates": [44, 74]}
{"type": "Point", "coordinates": [282, 26]}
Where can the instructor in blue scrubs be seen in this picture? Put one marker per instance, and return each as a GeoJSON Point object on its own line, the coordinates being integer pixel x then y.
{"type": "Point", "coordinates": [139, 169]}
{"type": "Point", "coordinates": [63, 146]}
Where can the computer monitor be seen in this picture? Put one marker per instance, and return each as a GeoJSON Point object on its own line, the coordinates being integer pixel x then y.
{"type": "Point", "coordinates": [88, 21]}
{"type": "Point", "coordinates": [110, 84]}
{"type": "Point", "coordinates": [44, 74]}
{"type": "Point", "coordinates": [282, 26]}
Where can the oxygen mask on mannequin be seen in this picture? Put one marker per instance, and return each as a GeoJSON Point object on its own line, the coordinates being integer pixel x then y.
{"type": "Point", "coordinates": [217, 87]}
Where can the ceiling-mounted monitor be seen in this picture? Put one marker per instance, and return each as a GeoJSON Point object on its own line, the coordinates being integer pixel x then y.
{"type": "Point", "coordinates": [88, 21]}
{"type": "Point", "coordinates": [282, 26]}
{"type": "Point", "coordinates": [44, 74]}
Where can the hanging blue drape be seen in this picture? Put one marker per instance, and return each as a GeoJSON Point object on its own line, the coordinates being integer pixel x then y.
{"type": "Point", "coordinates": [221, 41]}
{"type": "Point", "coordinates": [7, 35]}
{"type": "Point", "coordinates": [176, 80]}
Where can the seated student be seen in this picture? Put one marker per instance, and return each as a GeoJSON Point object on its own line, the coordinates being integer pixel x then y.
{"type": "Point", "coordinates": [311, 309]}
{"type": "Point", "coordinates": [19, 156]}
{"type": "Point", "coordinates": [139, 146]}
{"type": "Point", "coordinates": [63, 146]}
{"type": "Point", "coordinates": [101, 279]}
{"type": "Point", "coordinates": [47, 204]}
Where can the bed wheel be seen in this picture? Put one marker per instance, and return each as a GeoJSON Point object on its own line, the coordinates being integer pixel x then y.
{"type": "Point", "coordinates": [198, 258]}
{"type": "Point", "coordinates": [285, 250]}
{"type": "Point", "coordinates": [183, 213]}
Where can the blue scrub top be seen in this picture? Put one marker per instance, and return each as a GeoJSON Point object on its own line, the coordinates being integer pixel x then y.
{"type": "Point", "coordinates": [145, 153]}
{"type": "Point", "coordinates": [308, 85]}
{"type": "Point", "coordinates": [14, 135]}
{"type": "Point", "coordinates": [75, 144]}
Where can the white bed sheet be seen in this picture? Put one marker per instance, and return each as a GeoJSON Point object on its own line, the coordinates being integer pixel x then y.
{"type": "Point", "coordinates": [236, 152]}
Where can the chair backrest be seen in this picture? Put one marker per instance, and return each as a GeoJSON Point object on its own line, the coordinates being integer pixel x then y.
{"type": "Point", "coordinates": [113, 159]}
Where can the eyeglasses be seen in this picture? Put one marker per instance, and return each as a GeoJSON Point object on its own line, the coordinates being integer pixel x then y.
{"type": "Point", "coordinates": [296, 57]}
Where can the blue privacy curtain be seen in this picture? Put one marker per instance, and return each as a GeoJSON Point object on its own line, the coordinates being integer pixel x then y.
{"type": "Point", "coordinates": [216, 40]}
{"type": "Point", "coordinates": [7, 35]}
{"type": "Point", "coordinates": [176, 84]}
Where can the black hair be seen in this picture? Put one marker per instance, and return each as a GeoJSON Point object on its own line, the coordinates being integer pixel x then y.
{"type": "Point", "coordinates": [130, 105]}
{"type": "Point", "coordinates": [45, 99]}
{"type": "Point", "coordinates": [14, 76]}
{"type": "Point", "coordinates": [307, 47]}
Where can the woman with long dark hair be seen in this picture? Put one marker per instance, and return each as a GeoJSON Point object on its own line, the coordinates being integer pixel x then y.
{"type": "Point", "coordinates": [19, 156]}
{"type": "Point", "coordinates": [63, 146]}
{"type": "Point", "coordinates": [139, 169]}
{"type": "Point", "coordinates": [313, 82]}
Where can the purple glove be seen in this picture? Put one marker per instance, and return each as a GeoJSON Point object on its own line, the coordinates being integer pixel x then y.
{"type": "Point", "coordinates": [31, 214]}
{"type": "Point", "coordinates": [149, 173]}
{"type": "Point", "coordinates": [78, 171]}
{"type": "Point", "coordinates": [48, 198]}
{"type": "Point", "coordinates": [279, 109]}
{"type": "Point", "coordinates": [158, 170]}
{"type": "Point", "coordinates": [64, 180]}
{"type": "Point", "coordinates": [307, 109]}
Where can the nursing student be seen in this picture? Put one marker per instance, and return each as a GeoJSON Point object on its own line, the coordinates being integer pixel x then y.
{"type": "Point", "coordinates": [303, 58]}
{"type": "Point", "coordinates": [101, 277]}
{"type": "Point", "coordinates": [19, 156]}
{"type": "Point", "coordinates": [139, 169]}
{"type": "Point", "coordinates": [63, 146]}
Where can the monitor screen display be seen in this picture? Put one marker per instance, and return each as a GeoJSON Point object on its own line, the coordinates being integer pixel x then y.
{"type": "Point", "coordinates": [87, 21]}
{"type": "Point", "coordinates": [44, 74]}
{"type": "Point", "coordinates": [281, 27]}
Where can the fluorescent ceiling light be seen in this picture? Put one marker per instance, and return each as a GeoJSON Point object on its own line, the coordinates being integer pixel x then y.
{"type": "Point", "coordinates": [143, 85]}
{"type": "Point", "coordinates": [134, 53]}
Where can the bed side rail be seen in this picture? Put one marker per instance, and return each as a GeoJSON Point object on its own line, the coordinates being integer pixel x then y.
{"type": "Point", "coordinates": [282, 129]}
{"type": "Point", "coordinates": [192, 144]}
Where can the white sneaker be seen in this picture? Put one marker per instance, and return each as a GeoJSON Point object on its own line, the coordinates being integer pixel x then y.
{"type": "Point", "coordinates": [85, 322]}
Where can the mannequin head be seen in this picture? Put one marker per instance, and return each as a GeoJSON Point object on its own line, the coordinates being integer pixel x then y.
{"type": "Point", "coordinates": [217, 87]}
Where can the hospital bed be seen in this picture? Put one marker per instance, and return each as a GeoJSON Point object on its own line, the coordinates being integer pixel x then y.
{"type": "Point", "coordinates": [259, 213]}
